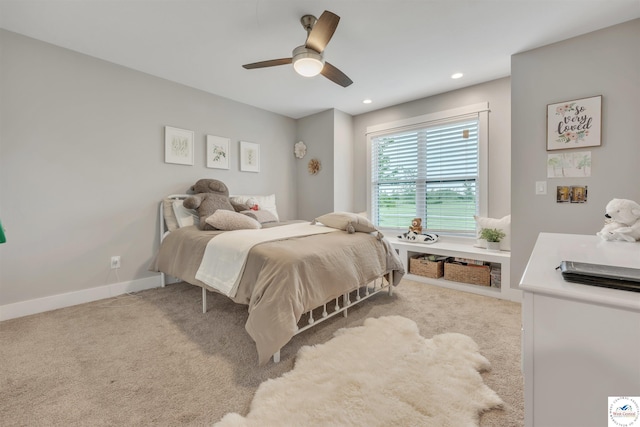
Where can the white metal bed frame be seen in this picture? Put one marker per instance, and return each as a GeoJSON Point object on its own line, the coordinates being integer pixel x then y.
{"type": "Point", "coordinates": [368, 290]}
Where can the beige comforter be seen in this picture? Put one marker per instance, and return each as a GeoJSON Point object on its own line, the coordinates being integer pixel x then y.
{"type": "Point", "coordinates": [284, 279]}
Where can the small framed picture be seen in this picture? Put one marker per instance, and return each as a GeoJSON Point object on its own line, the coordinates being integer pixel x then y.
{"type": "Point", "coordinates": [578, 194]}
{"type": "Point", "coordinates": [574, 124]}
{"type": "Point", "coordinates": [562, 194]}
{"type": "Point", "coordinates": [217, 152]}
{"type": "Point", "coordinates": [178, 146]}
{"type": "Point", "coordinates": [249, 156]}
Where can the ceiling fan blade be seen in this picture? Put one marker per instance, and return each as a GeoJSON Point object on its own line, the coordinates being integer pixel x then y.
{"type": "Point", "coordinates": [322, 31]}
{"type": "Point", "coordinates": [335, 75]}
{"type": "Point", "coordinates": [269, 63]}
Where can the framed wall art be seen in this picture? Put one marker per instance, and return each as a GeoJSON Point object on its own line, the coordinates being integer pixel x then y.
{"type": "Point", "coordinates": [574, 124]}
{"type": "Point", "coordinates": [178, 146]}
{"type": "Point", "coordinates": [217, 152]}
{"type": "Point", "coordinates": [249, 156]}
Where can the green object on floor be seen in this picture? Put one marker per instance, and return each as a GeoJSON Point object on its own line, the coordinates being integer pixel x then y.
{"type": "Point", "coordinates": [2, 237]}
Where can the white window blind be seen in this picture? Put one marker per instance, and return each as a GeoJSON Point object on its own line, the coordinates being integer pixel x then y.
{"type": "Point", "coordinates": [430, 172]}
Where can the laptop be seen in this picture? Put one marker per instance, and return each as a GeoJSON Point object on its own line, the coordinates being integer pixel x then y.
{"type": "Point", "coordinates": [606, 276]}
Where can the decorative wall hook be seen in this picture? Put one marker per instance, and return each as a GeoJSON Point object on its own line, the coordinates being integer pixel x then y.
{"type": "Point", "coordinates": [300, 149]}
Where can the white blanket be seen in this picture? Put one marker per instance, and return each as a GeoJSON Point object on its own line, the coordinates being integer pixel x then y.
{"type": "Point", "coordinates": [226, 254]}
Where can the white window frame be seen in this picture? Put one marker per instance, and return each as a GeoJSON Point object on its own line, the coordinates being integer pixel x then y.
{"type": "Point", "coordinates": [478, 111]}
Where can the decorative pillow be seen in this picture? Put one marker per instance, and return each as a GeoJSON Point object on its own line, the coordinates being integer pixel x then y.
{"type": "Point", "coordinates": [169, 216]}
{"type": "Point", "coordinates": [503, 224]}
{"type": "Point", "coordinates": [230, 220]}
{"type": "Point", "coordinates": [184, 216]}
{"type": "Point", "coordinates": [266, 203]}
{"type": "Point", "coordinates": [261, 216]}
{"type": "Point", "coordinates": [247, 205]}
{"type": "Point", "coordinates": [342, 221]}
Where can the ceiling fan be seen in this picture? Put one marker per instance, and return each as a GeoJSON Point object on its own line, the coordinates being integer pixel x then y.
{"type": "Point", "coordinates": [307, 59]}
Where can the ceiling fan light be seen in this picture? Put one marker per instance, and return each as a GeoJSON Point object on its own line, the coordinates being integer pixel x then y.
{"type": "Point", "coordinates": [307, 62]}
{"type": "Point", "coordinates": [308, 67]}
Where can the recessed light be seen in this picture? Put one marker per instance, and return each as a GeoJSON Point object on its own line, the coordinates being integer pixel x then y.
{"type": "Point", "coordinates": [367, 101]}
{"type": "Point", "coordinates": [456, 75]}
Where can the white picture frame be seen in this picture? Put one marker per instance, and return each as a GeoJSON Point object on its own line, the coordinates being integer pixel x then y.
{"type": "Point", "coordinates": [249, 156]}
{"type": "Point", "coordinates": [218, 152]}
{"type": "Point", "coordinates": [178, 146]}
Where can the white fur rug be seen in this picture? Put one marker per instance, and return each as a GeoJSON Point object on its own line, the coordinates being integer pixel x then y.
{"type": "Point", "coordinates": [380, 374]}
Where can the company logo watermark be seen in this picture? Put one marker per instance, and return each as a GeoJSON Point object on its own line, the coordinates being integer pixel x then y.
{"type": "Point", "coordinates": [624, 411]}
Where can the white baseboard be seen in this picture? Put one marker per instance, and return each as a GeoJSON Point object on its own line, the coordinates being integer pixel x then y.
{"type": "Point", "coordinates": [53, 302]}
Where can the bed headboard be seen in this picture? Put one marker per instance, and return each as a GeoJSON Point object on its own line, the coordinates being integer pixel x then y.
{"type": "Point", "coordinates": [173, 216]}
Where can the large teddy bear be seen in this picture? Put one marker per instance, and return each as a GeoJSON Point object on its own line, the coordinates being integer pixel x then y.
{"type": "Point", "coordinates": [624, 216]}
{"type": "Point", "coordinates": [210, 196]}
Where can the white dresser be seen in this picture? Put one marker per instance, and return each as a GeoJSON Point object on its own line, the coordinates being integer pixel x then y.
{"type": "Point", "coordinates": [580, 343]}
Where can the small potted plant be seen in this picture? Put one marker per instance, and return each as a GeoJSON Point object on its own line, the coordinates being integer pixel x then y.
{"type": "Point", "coordinates": [493, 237]}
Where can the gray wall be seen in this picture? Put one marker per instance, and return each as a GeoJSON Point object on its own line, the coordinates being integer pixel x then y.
{"type": "Point", "coordinates": [315, 192]}
{"type": "Point", "coordinates": [343, 162]}
{"type": "Point", "coordinates": [82, 164]}
{"type": "Point", "coordinates": [496, 92]}
{"type": "Point", "coordinates": [328, 136]}
{"type": "Point", "coordinates": [607, 63]}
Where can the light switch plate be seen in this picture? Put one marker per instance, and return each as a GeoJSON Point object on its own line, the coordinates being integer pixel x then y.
{"type": "Point", "coordinates": [541, 188]}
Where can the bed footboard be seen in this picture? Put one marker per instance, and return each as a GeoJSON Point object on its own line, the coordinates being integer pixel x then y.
{"type": "Point", "coordinates": [333, 307]}
{"type": "Point", "coordinates": [361, 294]}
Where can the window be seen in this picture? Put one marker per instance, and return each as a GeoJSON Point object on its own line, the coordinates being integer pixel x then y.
{"type": "Point", "coordinates": [429, 167]}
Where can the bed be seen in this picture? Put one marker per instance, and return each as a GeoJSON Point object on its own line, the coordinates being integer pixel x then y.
{"type": "Point", "coordinates": [289, 282]}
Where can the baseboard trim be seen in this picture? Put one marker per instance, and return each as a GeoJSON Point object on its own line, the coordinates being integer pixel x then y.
{"type": "Point", "coordinates": [54, 302]}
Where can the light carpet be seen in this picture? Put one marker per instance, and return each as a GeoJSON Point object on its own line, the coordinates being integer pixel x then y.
{"type": "Point", "coordinates": [380, 374]}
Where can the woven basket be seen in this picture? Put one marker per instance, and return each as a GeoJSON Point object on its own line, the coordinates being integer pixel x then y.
{"type": "Point", "coordinates": [472, 274]}
{"type": "Point", "coordinates": [421, 266]}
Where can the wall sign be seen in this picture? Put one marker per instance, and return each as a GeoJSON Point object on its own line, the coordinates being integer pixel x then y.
{"type": "Point", "coordinates": [574, 124]}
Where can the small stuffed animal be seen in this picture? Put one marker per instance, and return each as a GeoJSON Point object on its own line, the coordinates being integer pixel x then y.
{"type": "Point", "coordinates": [249, 205]}
{"type": "Point", "coordinates": [624, 224]}
{"type": "Point", "coordinates": [416, 226]}
{"type": "Point", "coordinates": [210, 196]}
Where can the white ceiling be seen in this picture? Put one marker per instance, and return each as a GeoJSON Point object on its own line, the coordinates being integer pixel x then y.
{"type": "Point", "coordinates": [394, 51]}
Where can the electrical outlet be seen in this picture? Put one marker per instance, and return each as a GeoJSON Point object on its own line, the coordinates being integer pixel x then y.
{"type": "Point", "coordinates": [115, 262]}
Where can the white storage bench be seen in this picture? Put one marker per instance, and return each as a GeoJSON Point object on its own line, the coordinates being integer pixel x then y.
{"type": "Point", "coordinates": [460, 248]}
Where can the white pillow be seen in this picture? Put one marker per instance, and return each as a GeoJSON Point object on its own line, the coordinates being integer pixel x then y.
{"type": "Point", "coordinates": [230, 220]}
{"type": "Point", "coordinates": [184, 216]}
{"type": "Point", "coordinates": [168, 215]}
{"type": "Point", "coordinates": [342, 220]}
{"type": "Point", "coordinates": [503, 224]}
{"type": "Point", "coordinates": [267, 203]}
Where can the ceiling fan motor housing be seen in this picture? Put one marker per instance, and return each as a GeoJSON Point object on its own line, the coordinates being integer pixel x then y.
{"type": "Point", "coordinates": [308, 21]}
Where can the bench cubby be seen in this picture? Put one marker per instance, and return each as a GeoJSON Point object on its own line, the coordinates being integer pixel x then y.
{"type": "Point", "coordinates": [462, 248]}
